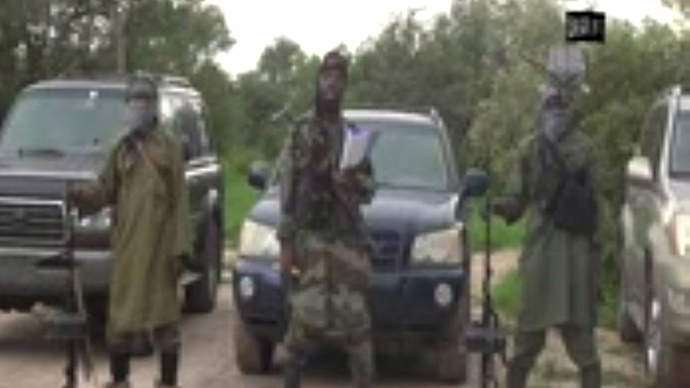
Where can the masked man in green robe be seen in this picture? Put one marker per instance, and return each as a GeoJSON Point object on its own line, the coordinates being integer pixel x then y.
{"type": "Point", "coordinates": [558, 265]}
{"type": "Point", "coordinates": [325, 250]}
{"type": "Point", "coordinates": [143, 182]}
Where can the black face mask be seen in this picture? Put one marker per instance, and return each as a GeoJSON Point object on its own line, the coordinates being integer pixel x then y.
{"type": "Point", "coordinates": [142, 119]}
{"type": "Point", "coordinates": [327, 105]}
{"type": "Point", "coordinates": [555, 116]}
{"type": "Point", "coordinates": [555, 123]}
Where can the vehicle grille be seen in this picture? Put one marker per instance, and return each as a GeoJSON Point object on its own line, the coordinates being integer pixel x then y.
{"type": "Point", "coordinates": [388, 249]}
{"type": "Point", "coordinates": [30, 222]}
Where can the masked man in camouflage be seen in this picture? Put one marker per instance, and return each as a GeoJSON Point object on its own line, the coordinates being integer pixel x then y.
{"type": "Point", "coordinates": [143, 182]}
{"type": "Point", "coordinates": [324, 246]}
{"type": "Point", "coordinates": [558, 265]}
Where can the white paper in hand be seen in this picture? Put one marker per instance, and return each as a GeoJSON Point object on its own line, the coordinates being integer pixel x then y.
{"type": "Point", "coordinates": [355, 147]}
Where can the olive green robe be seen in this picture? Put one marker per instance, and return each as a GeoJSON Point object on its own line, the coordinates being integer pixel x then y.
{"type": "Point", "coordinates": [558, 269]}
{"type": "Point", "coordinates": [150, 230]}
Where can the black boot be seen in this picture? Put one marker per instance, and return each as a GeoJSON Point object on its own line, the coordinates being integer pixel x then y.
{"type": "Point", "coordinates": [119, 367]}
{"type": "Point", "coordinates": [169, 365]}
{"type": "Point", "coordinates": [293, 369]}
{"type": "Point", "coordinates": [590, 377]}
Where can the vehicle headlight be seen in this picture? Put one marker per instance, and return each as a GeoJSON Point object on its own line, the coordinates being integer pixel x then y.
{"type": "Point", "coordinates": [257, 240]}
{"type": "Point", "coordinates": [679, 300]}
{"type": "Point", "coordinates": [99, 220]}
{"type": "Point", "coordinates": [440, 247]}
{"type": "Point", "coordinates": [680, 234]}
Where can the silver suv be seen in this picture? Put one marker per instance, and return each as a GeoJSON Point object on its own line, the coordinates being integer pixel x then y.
{"type": "Point", "coordinates": [655, 264]}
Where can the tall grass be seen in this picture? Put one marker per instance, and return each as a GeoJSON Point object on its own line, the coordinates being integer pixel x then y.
{"type": "Point", "coordinates": [503, 236]}
{"type": "Point", "coordinates": [239, 196]}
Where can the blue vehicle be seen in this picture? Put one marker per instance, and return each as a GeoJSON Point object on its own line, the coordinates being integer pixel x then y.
{"type": "Point", "coordinates": [421, 261]}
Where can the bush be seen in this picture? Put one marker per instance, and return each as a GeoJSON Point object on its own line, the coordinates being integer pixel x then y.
{"type": "Point", "coordinates": [506, 293]}
{"type": "Point", "coordinates": [503, 236]}
{"type": "Point", "coordinates": [239, 196]}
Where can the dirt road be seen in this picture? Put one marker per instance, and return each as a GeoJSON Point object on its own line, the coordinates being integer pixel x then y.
{"type": "Point", "coordinates": [27, 360]}
{"type": "Point", "coordinates": [622, 364]}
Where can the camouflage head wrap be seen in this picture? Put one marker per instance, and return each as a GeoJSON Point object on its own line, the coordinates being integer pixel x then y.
{"type": "Point", "coordinates": [334, 59]}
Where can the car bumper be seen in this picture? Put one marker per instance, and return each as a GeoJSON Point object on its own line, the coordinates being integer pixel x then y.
{"type": "Point", "coordinates": [675, 291]}
{"type": "Point", "coordinates": [23, 276]}
{"type": "Point", "coordinates": [405, 304]}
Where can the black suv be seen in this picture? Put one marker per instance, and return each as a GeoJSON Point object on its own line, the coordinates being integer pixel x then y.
{"type": "Point", "coordinates": [421, 261]}
{"type": "Point", "coordinates": [59, 132]}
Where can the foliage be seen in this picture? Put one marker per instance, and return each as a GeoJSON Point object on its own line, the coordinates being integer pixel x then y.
{"type": "Point", "coordinates": [45, 39]}
{"type": "Point", "coordinates": [474, 63]}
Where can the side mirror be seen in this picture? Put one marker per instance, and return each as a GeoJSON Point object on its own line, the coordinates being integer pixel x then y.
{"type": "Point", "coordinates": [475, 183]}
{"type": "Point", "coordinates": [258, 175]}
{"type": "Point", "coordinates": [640, 170]}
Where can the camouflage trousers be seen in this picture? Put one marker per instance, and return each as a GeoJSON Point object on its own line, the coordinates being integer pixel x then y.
{"type": "Point", "coordinates": [301, 342]}
{"type": "Point", "coordinates": [165, 339]}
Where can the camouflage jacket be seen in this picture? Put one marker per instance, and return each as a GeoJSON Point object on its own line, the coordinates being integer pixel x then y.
{"type": "Point", "coordinates": [309, 199]}
{"type": "Point", "coordinates": [326, 228]}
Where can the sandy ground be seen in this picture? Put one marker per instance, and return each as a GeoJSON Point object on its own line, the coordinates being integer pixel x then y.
{"type": "Point", "coordinates": [28, 360]}
{"type": "Point", "coordinates": [622, 364]}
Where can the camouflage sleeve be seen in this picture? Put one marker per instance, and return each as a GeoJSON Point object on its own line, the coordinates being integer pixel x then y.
{"type": "Point", "coordinates": [93, 196]}
{"type": "Point", "coordinates": [286, 225]}
{"type": "Point", "coordinates": [511, 206]}
{"type": "Point", "coordinates": [364, 182]}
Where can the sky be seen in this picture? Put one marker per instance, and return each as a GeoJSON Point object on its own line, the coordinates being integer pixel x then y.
{"type": "Point", "coordinates": [320, 25]}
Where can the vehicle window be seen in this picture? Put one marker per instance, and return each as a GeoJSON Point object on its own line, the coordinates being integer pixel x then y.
{"type": "Point", "coordinates": [186, 125]}
{"type": "Point", "coordinates": [680, 148]}
{"type": "Point", "coordinates": [63, 121]}
{"type": "Point", "coordinates": [653, 135]}
{"type": "Point", "coordinates": [204, 130]}
{"type": "Point", "coordinates": [423, 164]}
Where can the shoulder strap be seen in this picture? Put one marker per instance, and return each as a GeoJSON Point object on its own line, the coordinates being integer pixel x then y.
{"type": "Point", "coordinates": [553, 149]}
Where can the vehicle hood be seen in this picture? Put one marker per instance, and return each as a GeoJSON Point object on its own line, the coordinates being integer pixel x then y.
{"type": "Point", "coordinates": [406, 211]}
{"type": "Point", "coordinates": [680, 188]}
{"type": "Point", "coordinates": [45, 177]}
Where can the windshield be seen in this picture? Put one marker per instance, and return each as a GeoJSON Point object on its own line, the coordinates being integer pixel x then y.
{"type": "Point", "coordinates": [680, 149]}
{"type": "Point", "coordinates": [422, 164]}
{"type": "Point", "coordinates": [63, 122]}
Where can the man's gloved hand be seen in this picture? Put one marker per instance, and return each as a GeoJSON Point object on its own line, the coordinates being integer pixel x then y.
{"type": "Point", "coordinates": [189, 264]}
{"type": "Point", "coordinates": [345, 179]}
{"type": "Point", "coordinates": [289, 265]}
{"type": "Point", "coordinates": [73, 196]}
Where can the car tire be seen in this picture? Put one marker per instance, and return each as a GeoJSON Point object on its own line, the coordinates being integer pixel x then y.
{"type": "Point", "coordinates": [451, 360]}
{"type": "Point", "coordinates": [666, 364]}
{"type": "Point", "coordinates": [253, 355]}
{"type": "Point", "coordinates": [627, 330]}
{"type": "Point", "coordinates": [201, 296]}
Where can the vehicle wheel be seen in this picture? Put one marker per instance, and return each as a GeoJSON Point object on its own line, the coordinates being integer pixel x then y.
{"type": "Point", "coordinates": [665, 362]}
{"type": "Point", "coordinates": [451, 361]}
{"type": "Point", "coordinates": [253, 355]}
{"type": "Point", "coordinates": [627, 329]}
{"type": "Point", "coordinates": [200, 296]}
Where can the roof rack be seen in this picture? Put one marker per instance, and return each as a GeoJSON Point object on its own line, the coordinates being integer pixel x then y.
{"type": "Point", "coordinates": [162, 79]}
{"type": "Point", "coordinates": [423, 110]}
